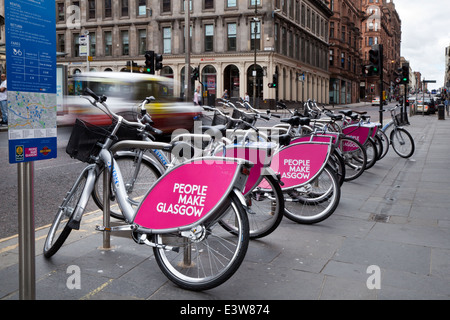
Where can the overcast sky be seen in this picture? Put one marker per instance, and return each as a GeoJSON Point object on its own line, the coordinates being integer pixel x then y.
{"type": "Point", "coordinates": [425, 34]}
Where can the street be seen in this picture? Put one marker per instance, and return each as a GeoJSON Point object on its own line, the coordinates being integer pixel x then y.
{"type": "Point", "coordinates": [53, 178]}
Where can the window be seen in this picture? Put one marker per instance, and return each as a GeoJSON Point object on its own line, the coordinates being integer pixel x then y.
{"type": "Point", "coordinates": [92, 43]}
{"type": "Point", "coordinates": [255, 2]}
{"type": "Point", "coordinates": [255, 35]}
{"type": "Point", "coordinates": [61, 43]}
{"type": "Point", "coordinates": [231, 45]}
{"type": "Point", "coordinates": [167, 40]}
{"type": "Point", "coordinates": [142, 8]}
{"type": "Point", "coordinates": [166, 6]}
{"type": "Point", "coordinates": [108, 43]}
{"type": "Point", "coordinates": [91, 9]}
{"type": "Point", "coordinates": [142, 34]}
{"type": "Point", "coordinates": [61, 15]}
{"type": "Point", "coordinates": [331, 57]}
{"type": "Point", "coordinates": [231, 3]}
{"type": "Point", "coordinates": [125, 42]}
{"type": "Point", "coordinates": [124, 8]}
{"type": "Point", "coordinates": [76, 45]}
{"type": "Point", "coordinates": [209, 4]}
{"type": "Point", "coordinates": [108, 9]}
{"type": "Point", "coordinates": [209, 37]}
{"type": "Point", "coordinates": [331, 29]}
{"type": "Point", "coordinates": [283, 41]}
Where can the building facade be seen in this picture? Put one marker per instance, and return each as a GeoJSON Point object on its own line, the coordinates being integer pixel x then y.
{"type": "Point", "coordinates": [345, 58]}
{"type": "Point", "coordinates": [383, 26]}
{"type": "Point", "coordinates": [290, 38]}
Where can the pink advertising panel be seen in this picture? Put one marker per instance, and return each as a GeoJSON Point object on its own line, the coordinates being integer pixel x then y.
{"type": "Point", "coordinates": [257, 153]}
{"type": "Point", "coordinates": [360, 133]}
{"type": "Point", "coordinates": [186, 194]}
{"type": "Point", "coordinates": [299, 163]}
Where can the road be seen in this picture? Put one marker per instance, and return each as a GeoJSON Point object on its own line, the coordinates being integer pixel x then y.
{"type": "Point", "coordinates": [53, 178]}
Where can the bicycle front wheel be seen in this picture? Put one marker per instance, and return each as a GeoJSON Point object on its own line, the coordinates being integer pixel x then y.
{"type": "Point", "coordinates": [138, 176]}
{"type": "Point", "coordinates": [402, 142]}
{"type": "Point", "coordinates": [355, 157]}
{"type": "Point", "coordinates": [60, 229]}
{"type": "Point", "coordinates": [314, 201]}
{"type": "Point", "coordinates": [209, 258]}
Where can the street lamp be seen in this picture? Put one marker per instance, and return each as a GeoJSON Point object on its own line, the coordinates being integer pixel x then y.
{"type": "Point", "coordinates": [256, 20]}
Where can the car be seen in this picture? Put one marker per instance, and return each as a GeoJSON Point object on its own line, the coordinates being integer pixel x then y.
{"type": "Point", "coordinates": [124, 92]}
{"type": "Point", "coordinates": [376, 101]}
{"type": "Point", "coordinates": [426, 108]}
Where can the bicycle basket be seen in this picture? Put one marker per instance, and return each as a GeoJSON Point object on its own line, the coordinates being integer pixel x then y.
{"type": "Point", "coordinates": [83, 140]}
{"type": "Point", "coordinates": [219, 119]}
{"type": "Point", "coordinates": [401, 119]}
{"type": "Point", "coordinates": [126, 132]}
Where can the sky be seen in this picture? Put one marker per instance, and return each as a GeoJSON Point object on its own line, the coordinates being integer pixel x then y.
{"type": "Point", "coordinates": [425, 35]}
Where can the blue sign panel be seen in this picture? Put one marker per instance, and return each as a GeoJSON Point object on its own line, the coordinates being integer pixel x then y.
{"type": "Point", "coordinates": [31, 79]}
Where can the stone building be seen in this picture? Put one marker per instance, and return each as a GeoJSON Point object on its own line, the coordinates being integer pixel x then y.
{"type": "Point", "coordinates": [290, 38]}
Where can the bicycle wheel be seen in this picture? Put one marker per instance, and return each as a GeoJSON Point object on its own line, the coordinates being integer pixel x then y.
{"type": "Point", "coordinates": [371, 152]}
{"type": "Point", "coordinates": [384, 141]}
{"type": "Point", "coordinates": [336, 161]}
{"type": "Point", "coordinates": [60, 229]}
{"type": "Point", "coordinates": [314, 201]}
{"type": "Point", "coordinates": [402, 142]}
{"type": "Point", "coordinates": [355, 157]}
{"type": "Point", "coordinates": [265, 208]}
{"type": "Point", "coordinates": [138, 177]}
{"type": "Point", "coordinates": [210, 256]}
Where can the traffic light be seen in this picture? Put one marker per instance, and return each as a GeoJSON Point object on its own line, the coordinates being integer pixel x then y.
{"type": "Point", "coordinates": [195, 74]}
{"type": "Point", "coordinates": [158, 62]}
{"type": "Point", "coordinates": [405, 74]}
{"type": "Point", "coordinates": [150, 62]}
{"type": "Point", "coordinates": [375, 58]}
{"type": "Point", "coordinates": [275, 80]}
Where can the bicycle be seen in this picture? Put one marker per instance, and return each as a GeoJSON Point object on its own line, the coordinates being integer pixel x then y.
{"type": "Point", "coordinates": [182, 214]}
{"type": "Point", "coordinates": [400, 139]}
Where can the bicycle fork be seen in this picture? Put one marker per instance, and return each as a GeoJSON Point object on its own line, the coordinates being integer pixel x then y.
{"type": "Point", "coordinates": [77, 214]}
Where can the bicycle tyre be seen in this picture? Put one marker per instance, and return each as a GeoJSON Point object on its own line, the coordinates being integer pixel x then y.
{"type": "Point", "coordinates": [315, 201]}
{"type": "Point", "coordinates": [136, 187]}
{"type": "Point", "coordinates": [355, 160]}
{"type": "Point", "coordinates": [371, 152]}
{"type": "Point", "coordinates": [225, 250]}
{"type": "Point", "coordinates": [401, 134]}
{"type": "Point", "coordinates": [53, 242]}
{"type": "Point", "coordinates": [263, 216]}
{"type": "Point", "coordinates": [384, 141]}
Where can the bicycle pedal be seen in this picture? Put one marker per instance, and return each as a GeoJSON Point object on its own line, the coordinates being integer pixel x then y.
{"type": "Point", "coordinates": [102, 228]}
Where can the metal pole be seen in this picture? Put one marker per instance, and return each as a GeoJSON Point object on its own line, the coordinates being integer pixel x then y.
{"type": "Point", "coordinates": [27, 264]}
{"type": "Point", "coordinates": [187, 36]}
{"type": "Point", "coordinates": [106, 209]}
{"type": "Point", "coordinates": [254, 65]}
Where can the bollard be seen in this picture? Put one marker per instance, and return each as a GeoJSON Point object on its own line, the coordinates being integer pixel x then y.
{"type": "Point", "coordinates": [441, 112]}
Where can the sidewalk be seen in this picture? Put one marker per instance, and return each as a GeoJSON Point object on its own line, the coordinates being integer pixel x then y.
{"type": "Point", "coordinates": [391, 230]}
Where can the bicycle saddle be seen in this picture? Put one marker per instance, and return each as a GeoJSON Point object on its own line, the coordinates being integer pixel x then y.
{"type": "Point", "coordinates": [282, 139]}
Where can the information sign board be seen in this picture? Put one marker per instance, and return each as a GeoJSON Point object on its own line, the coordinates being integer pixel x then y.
{"type": "Point", "coordinates": [31, 79]}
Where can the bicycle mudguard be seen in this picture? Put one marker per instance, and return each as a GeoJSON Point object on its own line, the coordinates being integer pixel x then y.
{"type": "Point", "coordinates": [360, 132]}
{"type": "Point", "coordinates": [258, 153]}
{"type": "Point", "coordinates": [191, 193]}
{"type": "Point", "coordinates": [300, 163]}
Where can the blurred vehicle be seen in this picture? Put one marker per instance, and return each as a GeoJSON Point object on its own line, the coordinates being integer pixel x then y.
{"type": "Point", "coordinates": [376, 101]}
{"type": "Point", "coordinates": [124, 92]}
{"type": "Point", "coordinates": [426, 106]}
{"type": "Point", "coordinates": [410, 100]}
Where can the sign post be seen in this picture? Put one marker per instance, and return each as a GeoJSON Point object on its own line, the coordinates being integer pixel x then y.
{"type": "Point", "coordinates": [31, 84]}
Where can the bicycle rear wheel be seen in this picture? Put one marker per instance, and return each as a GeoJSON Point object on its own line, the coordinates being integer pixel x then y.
{"type": "Point", "coordinates": [355, 157]}
{"type": "Point", "coordinates": [60, 229]}
{"type": "Point", "coordinates": [209, 258]}
{"type": "Point", "coordinates": [402, 142]}
{"type": "Point", "coordinates": [315, 201]}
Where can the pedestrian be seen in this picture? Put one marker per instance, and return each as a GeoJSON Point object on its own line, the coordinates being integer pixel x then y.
{"type": "Point", "coordinates": [447, 102]}
{"type": "Point", "coordinates": [247, 97]}
{"type": "Point", "coordinates": [196, 97]}
{"type": "Point", "coordinates": [4, 100]}
{"type": "Point", "coordinates": [225, 94]}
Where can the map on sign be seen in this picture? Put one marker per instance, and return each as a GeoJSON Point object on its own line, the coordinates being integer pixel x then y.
{"type": "Point", "coordinates": [32, 115]}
